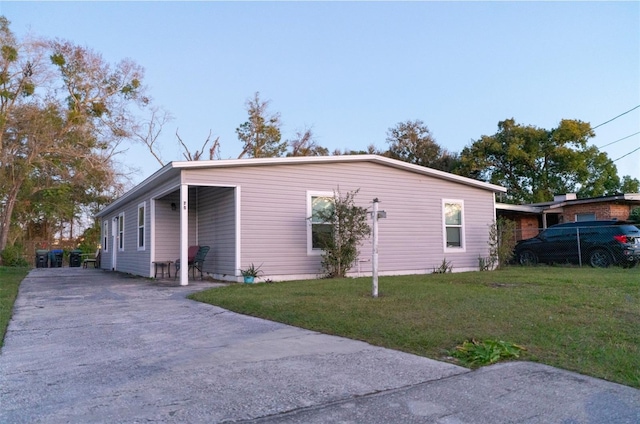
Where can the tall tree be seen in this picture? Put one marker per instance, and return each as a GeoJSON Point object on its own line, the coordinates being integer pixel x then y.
{"type": "Point", "coordinates": [371, 150]}
{"type": "Point", "coordinates": [412, 141]}
{"type": "Point", "coordinates": [261, 134]}
{"type": "Point", "coordinates": [64, 112]}
{"type": "Point", "coordinates": [630, 185]}
{"type": "Point", "coordinates": [304, 144]}
{"type": "Point", "coordinates": [535, 163]}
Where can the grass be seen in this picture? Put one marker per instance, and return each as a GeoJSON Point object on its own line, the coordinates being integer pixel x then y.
{"type": "Point", "coordinates": [10, 279]}
{"type": "Point", "coordinates": [580, 319]}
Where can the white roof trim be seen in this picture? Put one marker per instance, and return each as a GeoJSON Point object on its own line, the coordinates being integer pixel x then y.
{"type": "Point", "coordinates": [519, 208]}
{"type": "Point", "coordinates": [335, 159]}
{"type": "Point", "coordinates": [177, 166]}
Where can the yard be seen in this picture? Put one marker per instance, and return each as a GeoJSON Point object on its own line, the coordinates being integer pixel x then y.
{"type": "Point", "coordinates": [10, 279]}
{"type": "Point", "coordinates": [580, 319]}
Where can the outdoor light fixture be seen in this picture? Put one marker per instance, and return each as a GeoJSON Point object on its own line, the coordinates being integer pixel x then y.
{"type": "Point", "coordinates": [173, 206]}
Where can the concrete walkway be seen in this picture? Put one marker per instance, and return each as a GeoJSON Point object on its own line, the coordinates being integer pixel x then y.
{"type": "Point", "coordinates": [88, 346]}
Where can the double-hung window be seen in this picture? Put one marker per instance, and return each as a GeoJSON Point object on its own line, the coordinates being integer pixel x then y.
{"type": "Point", "coordinates": [141, 242]}
{"type": "Point", "coordinates": [121, 232]}
{"type": "Point", "coordinates": [318, 205]}
{"type": "Point", "coordinates": [587, 216]}
{"type": "Point", "coordinates": [105, 236]}
{"type": "Point", "coordinates": [453, 219]}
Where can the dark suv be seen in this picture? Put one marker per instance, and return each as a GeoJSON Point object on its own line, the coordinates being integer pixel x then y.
{"type": "Point", "coordinates": [598, 243]}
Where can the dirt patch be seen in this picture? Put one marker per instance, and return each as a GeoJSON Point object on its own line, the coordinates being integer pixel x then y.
{"type": "Point", "coordinates": [503, 285]}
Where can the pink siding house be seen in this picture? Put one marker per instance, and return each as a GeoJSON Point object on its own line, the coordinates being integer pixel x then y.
{"type": "Point", "coordinates": [258, 210]}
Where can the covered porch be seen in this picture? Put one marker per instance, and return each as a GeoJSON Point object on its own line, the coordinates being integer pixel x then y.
{"type": "Point", "coordinates": [199, 215]}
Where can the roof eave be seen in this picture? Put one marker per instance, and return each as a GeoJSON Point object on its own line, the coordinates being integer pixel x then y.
{"type": "Point", "coordinates": [336, 159]}
{"type": "Point", "coordinates": [159, 174]}
{"type": "Point", "coordinates": [178, 166]}
{"type": "Point", "coordinates": [520, 208]}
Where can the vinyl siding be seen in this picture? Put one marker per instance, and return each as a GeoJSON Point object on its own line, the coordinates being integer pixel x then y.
{"type": "Point", "coordinates": [217, 229]}
{"type": "Point", "coordinates": [105, 258]}
{"type": "Point", "coordinates": [132, 260]}
{"type": "Point", "coordinates": [167, 228]}
{"type": "Point", "coordinates": [274, 222]}
{"type": "Point", "coordinates": [267, 205]}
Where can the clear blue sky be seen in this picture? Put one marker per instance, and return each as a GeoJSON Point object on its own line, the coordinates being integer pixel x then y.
{"type": "Point", "coordinates": [352, 70]}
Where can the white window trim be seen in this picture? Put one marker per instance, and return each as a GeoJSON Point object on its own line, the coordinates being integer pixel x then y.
{"type": "Point", "coordinates": [463, 247]}
{"type": "Point", "coordinates": [138, 226]}
{"type": "Point", "coordinates": [310, 250]}
{"type": "Point", "coordinates": [105, 236]}
{"type": "Point", "coordinates": [120, 234]}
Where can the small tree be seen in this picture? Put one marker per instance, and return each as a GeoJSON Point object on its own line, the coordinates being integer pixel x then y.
{"type": "Point", "coordinates": [348, 228]}
{"type": "Point", "coordinates": [502, 241]}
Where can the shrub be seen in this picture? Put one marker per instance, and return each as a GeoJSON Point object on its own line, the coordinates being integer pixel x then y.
{"type": "Point", "coordinates": [444, 267]}
{"type": "Point", "coordinates": [474, 353]}
{"type": "Point", "coordinates": [635, 215]}
{"type": "Point", "coordinates": [348, 227]}
{"type": "Point", "coordinates": [502, 241]}
{"type": "Point", "coordinates": [14, 256]}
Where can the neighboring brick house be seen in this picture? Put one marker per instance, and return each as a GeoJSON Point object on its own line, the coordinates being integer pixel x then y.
{"type": "Point", "coordinates": [531, 218]}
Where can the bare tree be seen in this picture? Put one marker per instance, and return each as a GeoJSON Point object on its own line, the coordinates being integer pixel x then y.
{"type": "Point", "coordinates": [147, 132]}
{"type": "Point", "coordinates": [304, 144]}
{"type": "Point", "coordinates": [197, 155]}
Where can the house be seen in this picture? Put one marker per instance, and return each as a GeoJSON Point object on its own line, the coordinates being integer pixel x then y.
{"type": "Point", "coordinates": [258, 210]}
{"type": "Point", "coordinates": [567, 208]}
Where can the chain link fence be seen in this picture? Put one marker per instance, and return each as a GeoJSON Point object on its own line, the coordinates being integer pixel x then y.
{"type": "Point", "coordinates": [580, 244]}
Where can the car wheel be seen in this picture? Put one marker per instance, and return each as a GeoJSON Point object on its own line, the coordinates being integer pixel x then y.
{"type": "Point", "coordinates": [600, 258]}
{"type": "Point", "coordinates": [527, 257]}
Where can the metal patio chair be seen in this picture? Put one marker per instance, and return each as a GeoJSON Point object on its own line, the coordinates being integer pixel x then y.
{"type": "Point", "coordinates": [195, 262]}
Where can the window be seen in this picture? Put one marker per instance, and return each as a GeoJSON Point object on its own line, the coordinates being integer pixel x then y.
{"type": "Point", "coordinates": [105, 236]}
{"type": "Point", "coordinates": [586, 216]}
{"type": "Point", "coordinates": [318, 229]}
{"type": "Point", "coordinates": [121, 232]}
{"type": "Point", "coordinates": [141, 226]}
{"type": "Point", "coordinates": [453, 225]}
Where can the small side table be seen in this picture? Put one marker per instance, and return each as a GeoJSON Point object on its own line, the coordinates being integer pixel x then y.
{"type": "Point", "coordinates": [162, 264]}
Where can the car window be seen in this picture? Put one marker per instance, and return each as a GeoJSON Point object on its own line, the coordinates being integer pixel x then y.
{"type": "Point", "coordinates": [555, 233]}
{"type": "Point", "coordinates": [630, 229]}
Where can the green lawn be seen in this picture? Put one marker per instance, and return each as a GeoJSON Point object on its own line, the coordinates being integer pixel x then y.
{"type": "Point", "coordinates": [10, 279]}
{"type": "Point", "coordinates": [581, 319]}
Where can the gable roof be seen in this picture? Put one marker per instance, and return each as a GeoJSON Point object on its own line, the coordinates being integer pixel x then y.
{"type": "Point", "coordinates": [173, 169]}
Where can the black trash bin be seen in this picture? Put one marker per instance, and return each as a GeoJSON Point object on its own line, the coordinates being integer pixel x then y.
{"type": "Point", "coordinates": [55, 258]}
{"type": "Point", "coordinates": [42, 258]}
{"type": "Point", "coordinates": [75, 258]}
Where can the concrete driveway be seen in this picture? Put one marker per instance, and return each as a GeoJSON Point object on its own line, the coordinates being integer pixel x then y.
{"type": "Point", "coordinates": [88, 346]}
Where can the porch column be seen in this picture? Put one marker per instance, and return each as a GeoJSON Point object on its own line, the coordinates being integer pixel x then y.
{"type": "Point", "coordinates": [184, 234]}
